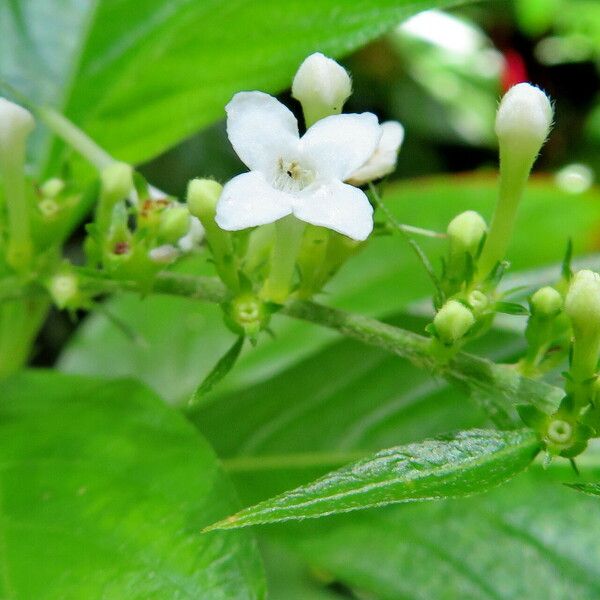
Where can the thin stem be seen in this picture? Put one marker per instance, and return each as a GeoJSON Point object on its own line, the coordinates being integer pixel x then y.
{"type": "Point", "coordinates": [513, 178]}
{"type": "Point", "coordinates": [421, 231]}
{"type": "Point", "coordinates": [301, 460]}
{"type": "Point", "coordinates": [499, 388]}
{"type": "Point", "coordinates": [413, 245]}
{"type": "Point", "coordinates": [75, 137]}
{"type": "Point", "coordinates": [288, 236]}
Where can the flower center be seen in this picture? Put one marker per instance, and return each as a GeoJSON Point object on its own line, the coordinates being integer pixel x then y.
{"type": "Point", "coordinates": [291, 176]}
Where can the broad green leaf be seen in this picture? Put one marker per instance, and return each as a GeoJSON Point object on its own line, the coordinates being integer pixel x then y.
{"type": "Point", "coordinates": [531, 538]}
{"type": "Point", "coordinates": [104, 493]}
{"type": "Point", "coordinates": [141, 76]}
{"type": "Point", "coordinates": [185, 338]}
{"type": "Point", "coordinates": [466, 463]}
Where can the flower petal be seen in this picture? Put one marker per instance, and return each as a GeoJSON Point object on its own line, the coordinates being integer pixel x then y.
{"type": "Point", "coordinates": [383, 160]}
{"type": "Point", "coordinates": [338, 145]}
{"type": "Point", "coordinates": [337, 206]}
{"type": "Point", "coordinates": [248, 200]}
{"type": "Point", "coordinates": [260, 129]}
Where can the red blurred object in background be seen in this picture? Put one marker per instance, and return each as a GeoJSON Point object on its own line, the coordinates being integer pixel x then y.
{"type": "Point", "coordinates": [514, 70]}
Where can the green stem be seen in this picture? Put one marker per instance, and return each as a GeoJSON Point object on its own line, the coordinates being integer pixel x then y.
{"type": "Point", "coordinates": [301, 460]}
{"type": "Point", "coordinates": [512, 182]}
{"type": "Point", "coordinates": [20, 246]}
{"type": "Point", "coordinates": [500, 388]}
{"type": "Point", "coordinates": [288, 237]}
{"type": "Point", "coordinates": [75, 137]}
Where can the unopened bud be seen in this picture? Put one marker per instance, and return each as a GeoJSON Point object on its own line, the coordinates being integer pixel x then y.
{"type": "Point", "coordinates": [117, 182]}
{"type": "Point", "coordinates": [52, 188]}
{"type": "Point", "coordinates": [174, 224]}
{"type": "Point", "coordinates": [64, 289]}
{"type": "Point", "coordinates": [478, 301]}
{"type": "Point", "coordinates": [546, 302]}
{"type": "Point", "coordinates": [16, 123]}
{"type": "Point", "coordinates": [453, 321]}
{"type": "Point", "coordinates": [523, 121]}
{"type": "Point", "coordinates": [582, 303]}
{"type": "Point", "coordinates": [322, 86]}
{"type": "Point", "coordinates": [202, 198]}
{"type": "Point", "coordinates": [466, 232]}
{"type": "Point", "coordinates": [582, 306]}
{"type": "Point", "coordinates": [383, 161]}
{"type": "Point", "coordinates": [163, 255]}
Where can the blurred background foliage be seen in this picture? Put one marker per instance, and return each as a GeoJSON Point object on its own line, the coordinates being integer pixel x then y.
{"type": "Point", "coordinates": [441, 74]}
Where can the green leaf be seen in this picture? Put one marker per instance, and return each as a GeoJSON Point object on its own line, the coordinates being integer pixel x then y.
{"type": "Point", "coordinates": [591, 489]}
{"type": "Point", "coordinates": [531, 538]}
{"type": "Point", "coordinates": [104, 492]}
{"type": "Point", "coordinates": [185, 338]}
{"type": "Point", "coordinates": [220, 370]}
{"type": "Point", "coordinates": [121, 69]}
{"type": "Point", "coordinates": [467, 463]}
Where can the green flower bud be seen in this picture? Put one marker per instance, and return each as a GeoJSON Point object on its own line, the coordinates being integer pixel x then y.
{"type": "Point", "coordinates": [582, 306]}
{"type": "Point", "coordinates": [546, 302]}
{"type": "Point", "coordinates": [582, 303]}
{"type": "Point", "coordinates": [452, 322]}
{"type": "Point", "coordinates": [174, 224]}
{"type": "Point", "coordinates": [117, 182]}
{"type": "Point", "coordinates": [64, 289]}
{"type": "Point", "coordinates": [466, 232]}
{"type": "Point", "coordinates": [202, 198]}
{"type": "Point", "coordinates": [478, 301]}
{"type": "Point", "coordinates": [322, 86]}
{"type": "Point", "coordinates": [52, 188]}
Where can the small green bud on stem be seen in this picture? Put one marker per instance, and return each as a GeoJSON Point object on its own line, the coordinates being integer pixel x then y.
{"type": "Point", "coordinates": [202, 198]}
{"type": "Point", "coordinates": [582, 306]}
{"type": "Point", "coordinates": [116, 183]}
{"type": "Point", "coordinates": [452, 322]}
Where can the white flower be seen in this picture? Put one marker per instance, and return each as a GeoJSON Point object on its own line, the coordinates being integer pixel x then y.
{"type": "Point", "coordinates": [293, 175]}
{"type": "Point", "coordinates": [383, 160]}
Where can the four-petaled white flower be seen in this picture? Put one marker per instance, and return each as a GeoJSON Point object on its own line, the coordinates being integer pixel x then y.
{"type": "Point", "coordinates": [296, 175]}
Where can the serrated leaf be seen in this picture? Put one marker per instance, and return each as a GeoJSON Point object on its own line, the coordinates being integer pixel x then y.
{"type": "Point", "coordinates": [591, 489]}
{"type": "Point", "coordinates": [469, 462]}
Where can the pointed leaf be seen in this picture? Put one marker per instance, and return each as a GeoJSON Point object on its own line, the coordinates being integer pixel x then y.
{"type": "Point", "coordinates": [469, 462]}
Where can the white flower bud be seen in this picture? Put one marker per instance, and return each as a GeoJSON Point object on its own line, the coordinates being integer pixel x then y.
{"type": "Point", "coordinates": [16, 123]}
{"type": "Point", "coordinates": [322, 86]}
{"type": "Point", "coordinates": [478, 301]}
{"type": "Point", "coordinates": [465, 232]}
{"type": "Point", "coordinates": [582, 303]}
{"type": "Point", "coordinates": [383, 161]}
{"type": "Point", "coordinates": [523, 121]}
{"type": "Point", "coordinates": [546, 302]}
{"type": "Point", "coordinates": [453, 321]}
{"type": "Point", "coordinates": [164, 254]}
